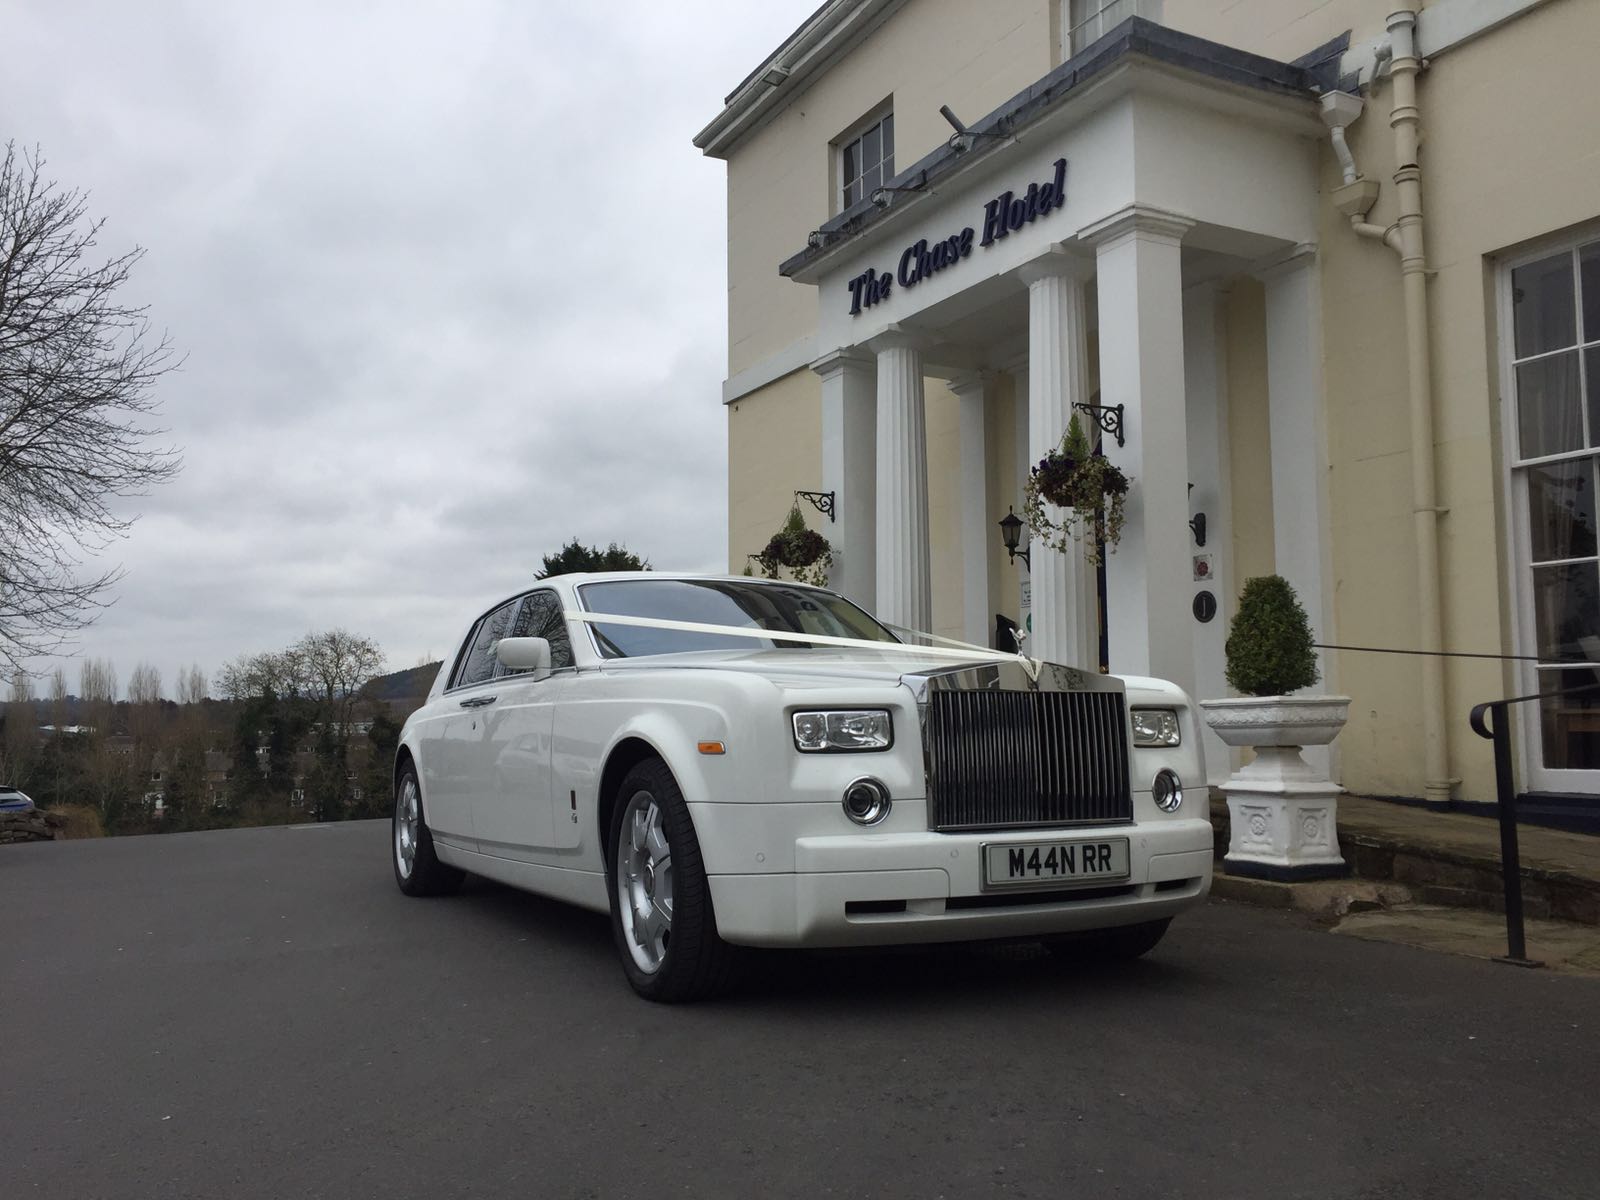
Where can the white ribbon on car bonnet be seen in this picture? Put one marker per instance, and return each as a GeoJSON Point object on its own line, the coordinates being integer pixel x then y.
{"type": "Point", "coordinates": [947, 649]}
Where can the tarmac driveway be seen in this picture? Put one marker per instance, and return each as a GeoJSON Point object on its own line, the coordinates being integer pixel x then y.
{"type": "Point", "coordinates": [260, 1013]}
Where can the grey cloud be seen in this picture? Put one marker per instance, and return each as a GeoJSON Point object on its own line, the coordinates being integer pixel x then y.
{"type": "Point", "coordinates": [450, 280]}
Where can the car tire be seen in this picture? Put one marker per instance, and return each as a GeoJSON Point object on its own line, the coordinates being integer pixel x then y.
{"type": "Point", "coordinates": [662, 919]}
{"type": "Point", "coordinates": [417, 868]}
{"type": "Point", "coordinates": [1110, 945]}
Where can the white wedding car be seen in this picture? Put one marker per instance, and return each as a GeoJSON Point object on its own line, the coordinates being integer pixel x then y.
{"type": "Point", "coordinates": [794, 775]}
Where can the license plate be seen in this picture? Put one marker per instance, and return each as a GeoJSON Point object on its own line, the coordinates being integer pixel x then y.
{"type": "Point", "coordinates": [1046, 863]}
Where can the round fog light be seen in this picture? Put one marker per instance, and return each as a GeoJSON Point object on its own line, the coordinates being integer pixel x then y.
{"type": "Point", "coordinates": [866, 802]}
{"type": "Point", "coordinates": [1167, 790]}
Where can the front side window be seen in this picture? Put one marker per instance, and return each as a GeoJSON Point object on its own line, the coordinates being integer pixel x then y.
{"type": "Point", "coordinates": [719, 602]}
{"type": "Point", "coordinates": [1554, 450]}
{"type": "Point", "coordinates": [866, 161]}
{"type": "Point", "coordinates": [479, 662]}
{"type": "Point", "coordinates": [540, 616]}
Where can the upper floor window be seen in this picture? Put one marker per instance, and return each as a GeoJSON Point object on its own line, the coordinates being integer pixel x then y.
{"type": "Point", "coordinates": [866, 160]}
{"type": "Point", "coordinates": [1090, 20]}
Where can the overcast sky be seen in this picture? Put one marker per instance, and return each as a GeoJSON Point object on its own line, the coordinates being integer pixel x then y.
{"type": "Point", "coordinates": [450, 279]}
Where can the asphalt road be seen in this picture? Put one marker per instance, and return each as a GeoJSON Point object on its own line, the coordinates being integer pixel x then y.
{"type": "Point", "coordinates": [260, 1013]}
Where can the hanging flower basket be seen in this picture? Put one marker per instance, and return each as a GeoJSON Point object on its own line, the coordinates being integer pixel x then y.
{"type": "Point", "coordinates": [798, 549]}
{"type": "Point", "coordinates": [1081, 487]}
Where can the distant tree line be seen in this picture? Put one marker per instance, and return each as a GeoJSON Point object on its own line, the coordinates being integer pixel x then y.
{"type": "Point", "coordinates": [293, 737]}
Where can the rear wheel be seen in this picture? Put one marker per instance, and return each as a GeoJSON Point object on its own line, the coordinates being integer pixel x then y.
{"type": "Point", "coordinates": [417, 868]}
{"type": "Point", "coordinates": [661, 914]}
{"type": "Point", "coordinates": [1110, 945]}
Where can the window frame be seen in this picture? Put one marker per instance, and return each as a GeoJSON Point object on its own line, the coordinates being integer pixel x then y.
{"type": "Point", "coordinates": [523, 602]}
{"type": "Point", "coordinates": [464, 652]}
{"type": "Point", "coordinates": [874, 119]}
{"type": "Point", "coordinates": [1150, 10]}
{"type": "Point", "coordinates": [464, 655]}
{"type": "Point", "coordinates": [1514, 478]}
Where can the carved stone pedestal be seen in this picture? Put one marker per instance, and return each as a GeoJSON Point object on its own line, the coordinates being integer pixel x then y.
{"type": "Point", "coordinates": [1282, 815]}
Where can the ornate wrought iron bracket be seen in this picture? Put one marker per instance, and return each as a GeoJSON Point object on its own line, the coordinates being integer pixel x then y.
{"type": "Point", "coordinates": [1107, 416]}
{"type": "Point", "coordinates": [821, 501]}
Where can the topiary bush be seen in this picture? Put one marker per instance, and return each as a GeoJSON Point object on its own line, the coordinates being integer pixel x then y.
{"type": "Point", "coordinates": [1269, 642]}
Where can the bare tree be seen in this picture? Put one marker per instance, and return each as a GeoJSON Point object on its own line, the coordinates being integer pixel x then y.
{"type": "Point", "coordinates": [280, 672]}
{"type": "Point", "coordinates": [144, 705]}
{"type": "Point", "coordinates": [192, 686]}
{"type": "Point", "coordinates": [336, 664]}
{"type": "Point", "coordinates": [19, 749]}
{"type": "Point", "coordinates": [77, 372]}
{"type": "Point", "coordinates": [144, 685]}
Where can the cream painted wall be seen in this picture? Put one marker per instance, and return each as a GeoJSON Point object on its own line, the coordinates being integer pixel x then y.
{"type": "Point", "coordinates": [1000, 448]}
{"type": "Point", "coordinates": [944, 506]}
{"type": "Point", "coordinates": [968, 54]}
{"type": "Point", "coordinates": [1249, 433]}
{"type": "Point", "coordinates": [1511, 153]}
{"type": "Point", "coordinates": [1281, 29]}
{"type": "Point", "coordinates": [774, 449]}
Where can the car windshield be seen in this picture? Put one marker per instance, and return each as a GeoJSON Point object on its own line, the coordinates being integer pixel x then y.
{"type": "Point", "coordinates": [748, 605]}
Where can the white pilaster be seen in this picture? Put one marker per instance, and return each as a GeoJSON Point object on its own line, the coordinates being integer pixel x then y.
{"type": "Point", "coordinates": [1148, 580]}
{"type": "Point", "coordinates": [905, 586]}
{"type": "Point", "coordinates": [1299, 451]}
{"type": "Point", "coordinates": [1019, 408]}
{"type": "Point", "coordinates": [973, 392]}
{"type": "Point", "coordinates": [849, 470]}
{"type": "Point", "coordinates": [1064, 624]}
{"type": "Point", "coordinates": [1205, 400]}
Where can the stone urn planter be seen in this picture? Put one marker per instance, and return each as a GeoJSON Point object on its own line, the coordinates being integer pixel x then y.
{"type": "Point", "coordinates": [1283, 815]}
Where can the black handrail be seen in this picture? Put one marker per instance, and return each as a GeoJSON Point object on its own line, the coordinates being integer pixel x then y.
{"type": "Point", "coordinates": [1505, 789]}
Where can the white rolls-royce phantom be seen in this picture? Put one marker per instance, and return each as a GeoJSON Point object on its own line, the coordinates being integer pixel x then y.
{"type": "Point", "coordinates": [725, 761]}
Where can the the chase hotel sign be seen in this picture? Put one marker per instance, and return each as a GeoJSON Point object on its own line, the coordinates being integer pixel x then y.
{"type": "Point", "coordinates": [1004, 215]}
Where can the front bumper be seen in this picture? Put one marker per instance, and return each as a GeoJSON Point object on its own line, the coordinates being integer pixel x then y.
{"type": "Point", "coordinates": [870, 888]}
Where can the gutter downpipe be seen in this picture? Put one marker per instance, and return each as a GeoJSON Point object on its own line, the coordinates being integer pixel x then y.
{"type": "Point", "coordinates": [1355, 199]}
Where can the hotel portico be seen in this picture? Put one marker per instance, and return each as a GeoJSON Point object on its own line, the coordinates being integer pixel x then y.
{"type": "Point", "coordinates": [1183, 242]}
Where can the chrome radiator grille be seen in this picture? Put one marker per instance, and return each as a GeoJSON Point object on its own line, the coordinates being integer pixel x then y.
{"type": "Point", "coordinates": [1010, 759]}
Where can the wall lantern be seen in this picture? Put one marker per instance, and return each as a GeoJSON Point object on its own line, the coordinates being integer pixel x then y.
{"type": "Point", "coordinates": [1010, 532]}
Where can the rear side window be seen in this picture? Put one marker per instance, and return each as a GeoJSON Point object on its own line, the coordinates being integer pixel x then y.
{"type": "Point", "coordinates": [480, 662]}
{"type": "Point", "coordinates": [540, 616]}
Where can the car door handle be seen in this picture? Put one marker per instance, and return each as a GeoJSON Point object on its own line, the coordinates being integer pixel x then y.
{"type": "Point", "coordinates": [478, 702]}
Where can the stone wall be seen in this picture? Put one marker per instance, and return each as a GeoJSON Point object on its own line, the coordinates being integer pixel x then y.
{"type": "Point", "coordinates": [33, 826]}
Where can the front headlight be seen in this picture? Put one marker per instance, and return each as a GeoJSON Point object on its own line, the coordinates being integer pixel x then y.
{"type": "Point", "coordinates": [843, 729]}
{"type": "Point", "coordinates": [1155, 727]}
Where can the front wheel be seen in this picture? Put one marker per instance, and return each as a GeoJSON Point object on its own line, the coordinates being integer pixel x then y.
{"type": "Point", "coordinates": [417, 868]}
{"type": "Point", "coordinates": [661, 914]}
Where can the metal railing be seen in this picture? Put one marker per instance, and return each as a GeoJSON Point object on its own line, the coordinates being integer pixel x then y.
{"type": "Point", "coordinates": [1498, 731]}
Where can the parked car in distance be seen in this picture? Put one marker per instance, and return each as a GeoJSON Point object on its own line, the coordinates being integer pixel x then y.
{"type": "Point", "coordinates": [712, 788]}
{"type": "Point", "coordinates": [14, 799]}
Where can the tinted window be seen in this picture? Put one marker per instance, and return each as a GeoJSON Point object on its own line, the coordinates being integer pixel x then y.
{"type": "Point", "coordinates": [719, 602]}
{"type": "Point", "coordinates": [480, 662]}
{"type": "Point", "coordinates": [540, 616]}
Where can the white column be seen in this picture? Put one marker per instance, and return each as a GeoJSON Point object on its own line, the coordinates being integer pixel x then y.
{"type": "Point", "coordinates": [849, 469]}
{"type": "Point", "coordinates": [1299, 452]}
{"type": "Point", "coordinates": [905, 586]}
{"type": "Point", "coordinates": [1019, 406]}
{"type": "Point", "coordinates": [1058, 377]}
{"type": "Point", "coordinates": [978, 530]}
{"type": "Point", "coordinates": [1205, 401]}
{"type": "Point", "coordinates": [1148, 581]}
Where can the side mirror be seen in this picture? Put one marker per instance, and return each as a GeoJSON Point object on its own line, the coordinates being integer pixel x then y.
{"type": "Point", "coordinates": [524, 654]}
